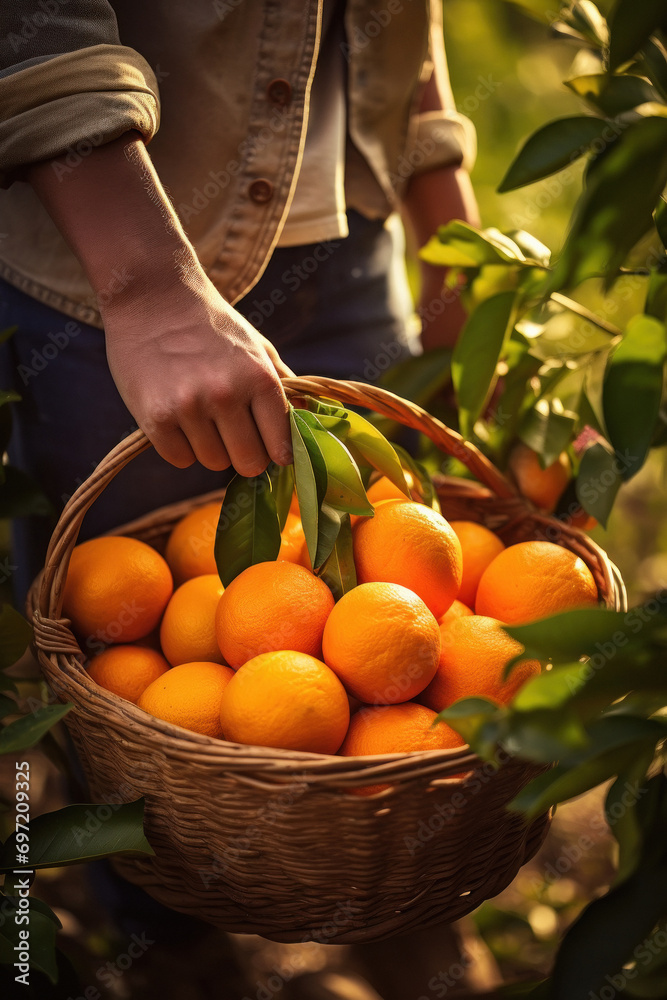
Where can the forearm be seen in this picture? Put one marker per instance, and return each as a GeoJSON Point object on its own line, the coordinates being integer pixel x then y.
{"type": "Point", "coordinates": [115, 215]}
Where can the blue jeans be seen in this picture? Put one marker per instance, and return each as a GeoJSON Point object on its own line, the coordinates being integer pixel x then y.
{"type": "Point", "coordinates": [336, 309]}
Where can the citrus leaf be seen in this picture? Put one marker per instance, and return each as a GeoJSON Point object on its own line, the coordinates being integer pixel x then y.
{"type": "Point", "coordinates": [625, 818]}
{"type": "Point", "coordinates": [655, 65]}
{"type": "Point", "coordinates": [616, 207]}
{"type": "Point", "coordinates": [477, 353]}
{"type": "Point", "coordinates": [328, 529]}
{"type": "Point", "coordinates": [345, 490]}
{"type": "Point", "coordinates": [571, 634]}
{"type": "Point", "coordinates": [376, 450]}
{"type": "Point", "coordinates": [248, 529]}
{"type": "Point", "coordinates": [24, 733]}
{"type": "Point", "coordinates": [632, 390]}
{"type": "Point", "coordinates": [458, 244]}
{"type": "Point", "coordinates": [422, 481]}
{"type": "Point", "coordinates": [550, 149]}
{"type": "Point", "coordinates": [598, 481]}
{"type": "Point", "coordinates": [339, 572]}
{"type": "Point", "coordinates": [547, 431]}
{"type": "Point", "coordinates": [630, 25]}
{"type": "Point", "coordinates": [310, 473]}
{"type": "Point", "coordinates": [612, 95]}
{"type": "Point", "coordinates": [420, 377]}
{"type": "Point", "coordinates": [282, 484]}
{"type": "Point", "coordinates": [81, 833]}
{"type": "Point", "coordinates": [43, 928]}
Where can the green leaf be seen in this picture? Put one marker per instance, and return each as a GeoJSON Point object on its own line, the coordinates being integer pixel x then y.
{"type": "Point", "coordinates": [599, 480]}
{"type": "Point", "coordinates": [605, 935]}
{"type": "Point", "coordinates": [547, 430]}
{"type": "Point", "coordinates": [623, 816]}
{"type": "Point", "coordinates": [376, 450]}
{"type": "Point", "coordinates": [633, 390]}
{"type": "Point", "coordinates": [467, 716]}
{"type": "Point", "coordinates": [531, 247]}
{"type": "Point", "coordinates": [339, 572]}
{"type": "Point", "coordinates": [630, 25]}
{"type": "Point", "coordinates": [613, 95]}
{"type": "Point", "coordinates": [420, 377]}
{"type": "Point", "coordinates": [20, 496]}
{"type": "Point", "coordinates": [310, 473]}
{"type": "Point", "coordinates": [567, 636]}
{"type": "Point", "coordinates": [15, 636]}
{"type": "Point", "coordinates": [282, 484]}
{"type": "Point", "coordinates": [615, 209]}
{"type": "Point", "coordinates": [345, 490]}
{"type": "Point", "coordinates": [329, 523]}
{"type": "Point", "coordinates": [656, 295]}
{"type": "Point", "coordinates": [81, 833]}
{"type": "Point", "coordinates": [24, 733]}
{"type": "Point", "coordinates": [655, 65]}
{"type": "Point", "coordinates": [476, 356]}
{"type": "Point", "coordinates": [8, 706]}
{"type": "Point", "coordinates": [551, 689]}
{"type": "Point", "coordinates": [552, 148]}
{"type": "Point", "coordinates": [43, 928]}
{"type": "Point", "coordinates": [459, 244]}
{"type": "Point", "coordinates": [422, 480]}
{"type": "Point", "coordinates": [248, 529]}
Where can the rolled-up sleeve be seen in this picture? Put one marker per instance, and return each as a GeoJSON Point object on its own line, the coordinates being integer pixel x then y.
{"type": "Point", "coordinates": [65, 80]}
{"type": "Point", "coordinates": [443, 137]}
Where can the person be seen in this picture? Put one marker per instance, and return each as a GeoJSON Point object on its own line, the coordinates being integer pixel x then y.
{"type": "Point", "coordinates": [256, 238]}
{"type": "Point", "coordinates": [197, 199]}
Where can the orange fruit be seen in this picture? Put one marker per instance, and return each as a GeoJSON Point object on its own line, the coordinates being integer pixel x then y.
{"type": "Point", "coordinates": [383, 642]}
{"type": "Point", "coordinates": [272, 606]}
{"type": "Point", "coordinates": [287, 700]}
{"type": "Point", "coordinates": [412, 545]}
{"type": "Point", "coordinates": [187, 632]}
{"type": "Point", "coordinates": [578, 518]}
{"type": "Point", "coordinates": [533, 580]}
{"type": "Point", "coordinates": [457, 610]}
{"type": "Point", "coordinates": [542, 486]}
{"type": "Point", "coordinates": [127, 670]}
{"type": "Point", "coordinates": [383, 489]}
{"type": "Point", "coordinates": [292, 541]}
{"type": "Point", "coordinates": [189, 695]}
{"type": "Point", "coordinates": [479, 547]}
{"type": "Point", "coordinates": [472, 659]}
{"type": "Point", "coordinates": [402, 728]}
{"type": "Point", "coordinates": [189, 550]}
{"type": "Point", "coordinates": [116, 589]}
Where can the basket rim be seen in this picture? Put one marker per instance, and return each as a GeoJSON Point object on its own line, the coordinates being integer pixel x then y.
{"type": "Point", "coordinates": [62, 658]}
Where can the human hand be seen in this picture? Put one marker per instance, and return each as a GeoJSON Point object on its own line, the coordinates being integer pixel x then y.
{"type": "Point", "coordinates": [200, 381]}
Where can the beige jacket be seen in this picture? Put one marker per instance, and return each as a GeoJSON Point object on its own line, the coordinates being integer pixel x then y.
{"type": "Point", "coordinates": [227, 84]}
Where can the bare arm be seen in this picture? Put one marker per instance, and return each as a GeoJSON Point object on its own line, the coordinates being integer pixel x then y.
{"type": "Point", "coordinates": [432, 199]}
{"type": "Point", "coordinates": [197, 377]}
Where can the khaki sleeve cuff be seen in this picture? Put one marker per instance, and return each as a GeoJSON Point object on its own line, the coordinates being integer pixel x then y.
{"type": "Point", "coordinates": [441, 139]}
{"type": "Point", "coordinates": [80, 99]}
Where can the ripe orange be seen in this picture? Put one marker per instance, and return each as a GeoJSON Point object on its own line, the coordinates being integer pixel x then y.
{"type": "Point", "coordinates": [286, 700]}
{"type": "Point", "coordinates": [479, 547]}
{"type": "Point", "coordinates": [578, 518]}
{"type": "Point", "coordinates": [533, 580]}
{"type": "Point", "coordinates": [542, 486]}
{"type": "Point", "coordinates": [402, 728]}
{"type": "Point", "coordinates": [292, 541]}
{"type": "Point", "coordinates": [189, 695]}
{"type": "Point", "coordinates": [473, 655]}
{"type": "Point", "coordinates": [412, 545]}
{"type": "Point", "coordinates": [116, 589]}
{"type": "Point", "coordinates": [187, 633]}
{"type": "Point", "coordinates": [383, 643]}
{"type": "Point", "coordinates": [190, 547]}
{"type": "Point", "coordinates": [127, 670]}
{"type": "Point", "coordinates": [457, 610]}
{"type": "Point", "coordinates": [383, 489]}
{"type": "Point", "coordinates": [272, 606]}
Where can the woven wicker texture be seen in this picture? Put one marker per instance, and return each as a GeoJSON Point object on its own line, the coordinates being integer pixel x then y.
{"type": "Point", "coordinates": [272, 842]}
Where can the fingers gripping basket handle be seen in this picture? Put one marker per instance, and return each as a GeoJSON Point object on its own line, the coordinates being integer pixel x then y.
{"type": "Point", "coordinates": [354, 393]}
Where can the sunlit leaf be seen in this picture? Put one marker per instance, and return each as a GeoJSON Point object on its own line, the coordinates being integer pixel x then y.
{"type": "Point", "coordinates": [547, 430]}
{"type": "Point", "coordinates": [310, 473]}
{"type": "Point", "coordinates": [612, 95]}
{"type": "Point", "coordinates": [616, 208]}
{"type": "Point", "coordinates": [422, 481]}
{"type": "Point", "coordinates": [345, 490]}
{"type": "Point", "coordinates": [339, 572]}
{"type": "Point", "coordinates": [282, 483]}
{"type": "Point", "coordinates": [376, 450]}
{"type": "Point", "coordinates": [476, 356]}
{"type": "Point", "coordinates": [550, 149]}
{"type": "Point", "coordinates": [655, 65]}
{"type": "Point", "coordinates": [248, 529]}
{"type": "Point", "coordinates": [459, 244]}
{"type": "Point", "coordinates": [571, 634]}
{"type": "Point", "coordinates": [632, 390]}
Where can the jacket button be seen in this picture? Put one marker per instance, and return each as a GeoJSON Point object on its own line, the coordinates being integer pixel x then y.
{"type": "Point", "coordinates": [279, 91]}
{"type": "Point", "coordinates": [261, 191]}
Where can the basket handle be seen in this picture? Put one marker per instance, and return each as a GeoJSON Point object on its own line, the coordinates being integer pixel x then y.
{"type": "Point", "coordinates": [371, 397]}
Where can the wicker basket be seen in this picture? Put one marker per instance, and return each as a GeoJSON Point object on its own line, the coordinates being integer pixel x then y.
{"type": "Point", "coordinates": [271, 842]}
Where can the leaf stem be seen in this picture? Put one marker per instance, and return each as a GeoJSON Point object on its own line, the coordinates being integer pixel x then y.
{"type": "Point", "coordinates": [576, 307]}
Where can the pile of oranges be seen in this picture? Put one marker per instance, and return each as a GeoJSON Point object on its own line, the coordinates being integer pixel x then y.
{"type": "Point", "coordinates": [274, 661]}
